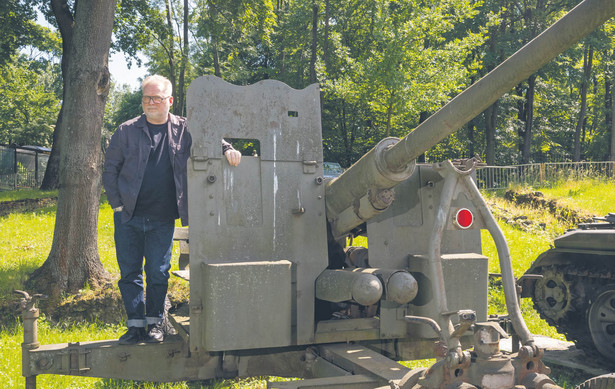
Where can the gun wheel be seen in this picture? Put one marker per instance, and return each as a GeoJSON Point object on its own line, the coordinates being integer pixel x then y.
{"type": "Point", "coordinates": [606, 381]}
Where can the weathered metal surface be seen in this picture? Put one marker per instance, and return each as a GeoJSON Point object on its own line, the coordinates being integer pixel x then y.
{"type": "Point", "coordinates": [344, 285]}
{"type": "Point", "coordinates": [245, 306]}
{"type": "Point", "coordinates": [357, 381]}
{"type": "Point", "coordinates": [575, 291]}
{"type": "Point", "coordinates": [360, 360]}
{"type": "Point", "coordinates": [253, 212]}
{"type": "Point", "coordinates": [562, 354]}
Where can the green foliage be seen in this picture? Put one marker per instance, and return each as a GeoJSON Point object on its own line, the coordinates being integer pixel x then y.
{"type": "Point", "coordinates": [31, 103]}
{"type": "Point", "coordinates": [384, 66]}
{"type": "Point", "coordinates": [18, 29]}
{"type": "Point", "coordinates": [122, 105]}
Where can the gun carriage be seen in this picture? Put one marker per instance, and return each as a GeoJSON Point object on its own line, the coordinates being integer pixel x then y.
{"type": "Point", "coordinates": [273, 290]}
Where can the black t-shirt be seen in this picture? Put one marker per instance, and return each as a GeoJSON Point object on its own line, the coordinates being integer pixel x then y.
{"type": "Point", "coordinates": [156, 197]}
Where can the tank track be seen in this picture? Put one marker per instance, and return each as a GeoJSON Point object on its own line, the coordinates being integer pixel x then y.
{"type": "Point", "coordinates": [580, 284]}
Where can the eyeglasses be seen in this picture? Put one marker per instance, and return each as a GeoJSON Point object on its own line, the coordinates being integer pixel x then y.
{"type": "Point", "coordinates": [153, 99]}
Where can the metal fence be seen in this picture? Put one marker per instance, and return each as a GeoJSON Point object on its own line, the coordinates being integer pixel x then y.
{"type": "Point", "coordinates": [22, 167]}
{"type": "Point", "coordinates": [541, 174]}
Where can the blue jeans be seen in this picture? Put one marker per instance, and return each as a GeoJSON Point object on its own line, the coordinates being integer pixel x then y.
{"type": "Point", "coordinates": [136, 239]}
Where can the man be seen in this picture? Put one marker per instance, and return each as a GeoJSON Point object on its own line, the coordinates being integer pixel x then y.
{"type": "Point", "coordinates": [146, 183]}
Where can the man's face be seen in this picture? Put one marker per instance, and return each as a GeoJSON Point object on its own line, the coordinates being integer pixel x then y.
{"type": "Point", "coordinates": [156, 113]}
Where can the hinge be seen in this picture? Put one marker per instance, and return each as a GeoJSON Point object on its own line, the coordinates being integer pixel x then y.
{"type": "Point", "coordinates": [309, 167]}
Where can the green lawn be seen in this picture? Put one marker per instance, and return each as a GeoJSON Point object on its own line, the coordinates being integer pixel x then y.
{"type": "Point", "coordinates": [25, 241]}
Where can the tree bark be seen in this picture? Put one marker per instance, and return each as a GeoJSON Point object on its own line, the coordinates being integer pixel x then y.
{"type": "Point", "coordinates": [528, 120]}
{"type": "Point", "coordinates": [213, 14]}
{"type": "Point", "coordinates": [313, 78]}
{"type": "Point", "coordinates": [73, 260]}
{"type": "Point", "coordinates": [587, 69]}
{"type": "Point", "coordinates": [612, 156]}
{"type": "Point", "coordinates": [64, 18]}
{"type": "Point", "coordinates": [325, 45]}
{"type": "Point", "coordinates": [181, 99]}
{"type": "Point", "coordinates": [611, 107]}
{"type": "Point", "coordinates": [490, 117]}
{"type": "Point", "coordinates": [171, 53]}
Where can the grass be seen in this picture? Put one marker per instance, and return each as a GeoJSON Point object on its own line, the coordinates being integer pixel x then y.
{"type": "Point", "coordinates": [593, 196]}
{"type": "Point", "coordinates": [13, 195]}
{"type": "Point", "coordinates": [25, 241]}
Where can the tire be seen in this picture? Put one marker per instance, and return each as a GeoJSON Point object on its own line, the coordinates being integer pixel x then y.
{"type": "Point", "coordinates": [606, 381]}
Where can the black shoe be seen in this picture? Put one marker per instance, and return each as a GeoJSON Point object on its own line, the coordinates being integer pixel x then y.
{"type": "Point", "coordinates": [134, 335]}
{"type": "Point", "coordinates": [155, 333]}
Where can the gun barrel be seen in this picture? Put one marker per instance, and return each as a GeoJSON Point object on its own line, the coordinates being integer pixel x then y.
{"type": "Point", "coordinates": [384, 167]}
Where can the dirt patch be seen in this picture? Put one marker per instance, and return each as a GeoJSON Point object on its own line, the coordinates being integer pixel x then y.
{"type": "Point", "coordinates": [103, 306]}
{"type": "Point", "coordinates": [537, 200]}
{"type": "Point", "coordinates": [26, 205]}
{"type": "Point", "coordinates": [93, 306]}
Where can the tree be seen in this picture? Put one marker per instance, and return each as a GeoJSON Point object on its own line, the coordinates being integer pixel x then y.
{"type": "Point", "coordinates": [161, 30]}
{"type": "Point", "coordinates": [588, 57]}
{"type": "Point", "coordinates": [18, 28]}
{"type": "Point", "coordinates": [30, 102]}
{"type": "Point", "coordinates": [391, 63]}
{"type": "Point", "coordinates": [73, 260]}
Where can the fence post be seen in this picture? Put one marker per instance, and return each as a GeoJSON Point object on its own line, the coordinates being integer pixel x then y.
{"type": "Point", "coordinates": [542, 173]}
{"type": "Point", "coordinates": [15, 168]}
{"type": "Point", "coordinates": [36, 168]}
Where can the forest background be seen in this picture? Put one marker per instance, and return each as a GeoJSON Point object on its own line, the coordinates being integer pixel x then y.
{"type": "Point", "coordinates": [383, 66]}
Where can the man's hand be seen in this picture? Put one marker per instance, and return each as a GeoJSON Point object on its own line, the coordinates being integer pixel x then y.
{"type": "Point", "coordinates": [233, 157]}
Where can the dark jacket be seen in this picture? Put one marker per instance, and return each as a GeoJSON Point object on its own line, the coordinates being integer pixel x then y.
{"type": "Point", "coordinates": [126, 159]}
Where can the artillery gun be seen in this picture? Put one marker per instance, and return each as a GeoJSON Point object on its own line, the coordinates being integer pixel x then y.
{"type": "Point", "coordinates": [576, 290]}
{"type": "Point", "coordinates": [274, 292]}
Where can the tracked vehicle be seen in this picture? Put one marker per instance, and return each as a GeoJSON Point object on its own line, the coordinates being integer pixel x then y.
{"type": "Point", "coordinates": [576, 293]}
{"type": "Point", "coordinates": [273, 290]}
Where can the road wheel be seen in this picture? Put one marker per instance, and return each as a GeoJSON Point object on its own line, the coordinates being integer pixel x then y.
{"type": "Point", "coordinates": [606, 381]}
{"type": "Point", "coordinates": [601, 322]}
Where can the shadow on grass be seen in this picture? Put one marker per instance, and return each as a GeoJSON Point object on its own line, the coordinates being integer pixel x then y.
{"type": "Point", "coordinates": [10, 280]}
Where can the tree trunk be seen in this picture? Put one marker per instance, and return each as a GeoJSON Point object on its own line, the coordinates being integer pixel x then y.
{"type": "Point", "coordinates": [387, 131]}
{"type": "Point", "coordinates": [612, 157]}
{"type": "Point", "coordinates": [325, 46]}
{"type": "Point", "coordinates": [64, 18]}
{"type": "Point", "coordinates": [423, 115]}
{"type": "Point", "coordinates": [73, 260]}
{"type": "Point", "coordinates": [171, 53]}
{"type": "Point", "coordinates": [51, 179]}
{"type": "Point", "coordinates": [313, 78]}
{"type": "Point", "coordinates": [181, 98]}
{"type": "Point", "coordinates": [490, 117]}
{"type": "Point", "coordinates": [471, 152]}
{"type": "Point", "coordinates": [587, 69]}
{"type": "Point", "coordinates": [611, 107]}
{"type": "Point", "coordinates": [214, 39]}
{"type": "Point", "coordinates": [526, 149]}
{"type": "Point", "coordinates": [344, 135]}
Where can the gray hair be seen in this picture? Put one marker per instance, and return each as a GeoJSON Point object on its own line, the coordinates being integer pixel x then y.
{"type": "Point", "coordinates": [164, 82]}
